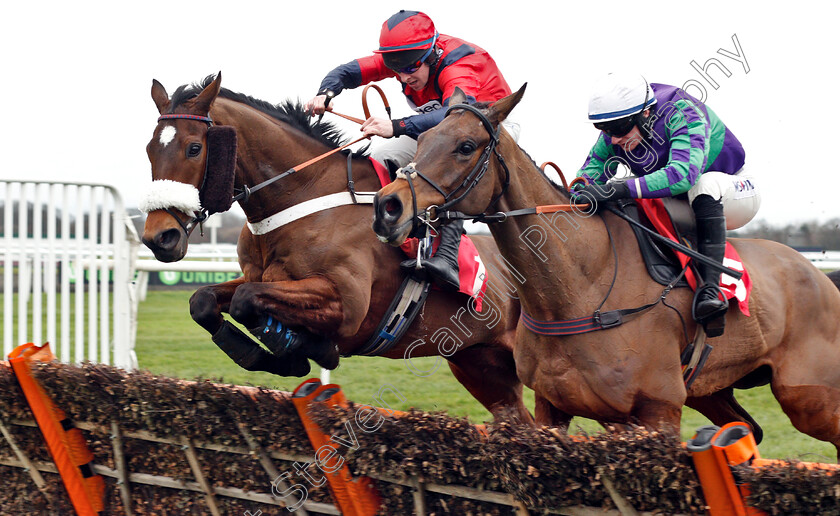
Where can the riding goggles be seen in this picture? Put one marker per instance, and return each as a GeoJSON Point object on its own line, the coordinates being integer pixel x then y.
{"type": "Point", "coordinates": [617, 128]}
{"type": "Point", "coordinates": [410, 69]}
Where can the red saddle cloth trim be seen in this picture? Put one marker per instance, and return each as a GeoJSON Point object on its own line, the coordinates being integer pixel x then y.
{"type": "Point", "coordinates": [381, 172]}
{"type": "Point", "coordinates": [733, 289]}
{"type": "Point", "coordinates": [471, 271]}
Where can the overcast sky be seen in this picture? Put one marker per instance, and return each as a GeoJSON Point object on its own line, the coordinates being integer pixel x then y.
{"type": "Point", "coordinates": [77, 75]}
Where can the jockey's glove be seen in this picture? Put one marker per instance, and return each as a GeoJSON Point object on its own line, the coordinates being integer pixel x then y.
{"type": "Point", "coordinates": [597, 194]}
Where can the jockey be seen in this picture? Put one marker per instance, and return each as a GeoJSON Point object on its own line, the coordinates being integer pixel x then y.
{"type": "Point", "coordinates": [674, 146]}
{"type": "Point", "coordinates": [429, 66]}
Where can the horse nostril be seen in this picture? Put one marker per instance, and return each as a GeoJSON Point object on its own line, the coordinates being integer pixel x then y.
{"type": "Point", "coordinates": [167, 240]}
{"type": "Point", "coordinates": [390, 209]}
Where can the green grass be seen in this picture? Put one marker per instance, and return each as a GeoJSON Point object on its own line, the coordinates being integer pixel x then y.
{"type": "Point", "coordinates": [170, 343]}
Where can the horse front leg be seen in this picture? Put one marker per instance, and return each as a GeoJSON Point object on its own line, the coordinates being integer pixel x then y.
{"type": "Point", "coordinates": [292, 316]}
{"type": "Point", "coordinates": [489, 374]}
{"type": "Point", "coordinates": [206, 307]}
{"type": "Point", "coordinates": [721, 408]}
{"type": "Point", "coordinates": [547, 414]}
{"type": "Point", "coordinates": [208, 303]}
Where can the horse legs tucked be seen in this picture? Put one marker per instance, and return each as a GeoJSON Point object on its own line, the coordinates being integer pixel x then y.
{"type": "Point", "coordinates": [489, 374]}
{"type": "Point", "coordinates": [208, 303]}
{"type": "Point", "coordinates": [308, 308]}
{"type": "Point", "coordinates": [250, 356]}
{"type": "Point", "coordinates": [722, 408]}
{"type": "Point", "coordinates": [206, 307]}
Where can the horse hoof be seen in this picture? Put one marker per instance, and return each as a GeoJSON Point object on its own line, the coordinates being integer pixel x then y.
{"type": "Point", "coordinates": [325, 354]}
{"type": "Point", "coordinates": [297, 367]}
{"type": "Point", "coordinates": [291, 366]}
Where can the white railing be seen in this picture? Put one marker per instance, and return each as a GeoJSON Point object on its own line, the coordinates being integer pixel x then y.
{"type": "Point", "coordinates": [824, 259]}
{"type": "Point", "coordinates": [222, 253]}
{"type": "Point", "coordinates": [69, 257]}
{"type": "Point", "coordinates": [54, 283]}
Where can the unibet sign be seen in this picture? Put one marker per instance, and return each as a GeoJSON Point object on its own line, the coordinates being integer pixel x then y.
{"type": "Point", "coordinates": [195, 278]}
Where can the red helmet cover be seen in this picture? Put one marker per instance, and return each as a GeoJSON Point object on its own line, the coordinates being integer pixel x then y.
{"type": "Point", "coordinates": [407, 30]}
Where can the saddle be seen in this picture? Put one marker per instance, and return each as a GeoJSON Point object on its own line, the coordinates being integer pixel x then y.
{"type": "Point", "coordinates": [661, 262]}
{"type": "Point", "coordinates": [674, 219]}
{"type": "Point", "coordinates": [665, 267]}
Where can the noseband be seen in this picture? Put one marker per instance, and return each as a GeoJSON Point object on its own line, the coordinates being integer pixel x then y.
{"type": "Point", "coordinates": [470, 181]}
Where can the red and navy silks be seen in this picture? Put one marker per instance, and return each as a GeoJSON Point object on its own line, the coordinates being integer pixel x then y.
{"type": "Point", "coordinates": [471, 272]}
{"type": "Point", "coordinates": [738, 289]}
{"type": "Point", "coordinates": [381, 172]}
{"type": "Point", "coordinates": [461, 64]}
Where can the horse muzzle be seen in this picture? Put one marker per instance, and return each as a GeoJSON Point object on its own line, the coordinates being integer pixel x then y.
{"type": "Point", "coordinates": [391, 223]}
{"type": "Point", "coordinates": [167, 242]}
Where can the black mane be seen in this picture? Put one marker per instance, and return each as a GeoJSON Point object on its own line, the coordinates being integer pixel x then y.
{"type": "Point", "coordinates": [288, 111]}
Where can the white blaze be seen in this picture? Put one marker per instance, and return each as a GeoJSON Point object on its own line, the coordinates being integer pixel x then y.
{"type": "Point", "coordinates": [167, 134]}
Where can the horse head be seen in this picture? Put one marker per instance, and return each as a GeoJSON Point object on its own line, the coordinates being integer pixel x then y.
{"type": "Point", "coordinates": [448, 170]}
{"type": "Point", "coordinates": [193, 164]}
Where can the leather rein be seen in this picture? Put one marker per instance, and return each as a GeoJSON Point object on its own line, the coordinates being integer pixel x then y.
{"type": "Point", "coordinates": [598, 320]}
{"type": "Point", "coordinates": [443, 212]}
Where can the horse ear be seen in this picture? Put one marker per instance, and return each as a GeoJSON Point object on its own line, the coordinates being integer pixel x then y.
{"type": "Point", "coordinates": [502, 108]}
{"type": "Point", "coordinates": [458, 97]}
{"type": "Point", "coordinates": [208, 95]}
{"type": "Point", "coordinates": [160, 96]}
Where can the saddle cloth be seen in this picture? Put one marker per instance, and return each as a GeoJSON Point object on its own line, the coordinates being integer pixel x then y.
{"type": "Point", "coordinates": [472, 274]}
{"type": "Point", "coordinates": [676, 222]}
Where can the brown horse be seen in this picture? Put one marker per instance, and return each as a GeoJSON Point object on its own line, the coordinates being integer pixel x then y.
{"type": "Point", "coordinates": [630, 373]}
{"type": "Point", "coordinates": [324, 274]}
{"type": "Point", "coordinates": [835, 278]}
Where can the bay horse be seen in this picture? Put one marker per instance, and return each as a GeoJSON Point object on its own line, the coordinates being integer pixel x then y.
{"type": "Point", "coordinates": [630, 373]}
{"type": "Point", "coordinates": [835, 277]}
{"type": "Point", "coordinates": [325, 272]}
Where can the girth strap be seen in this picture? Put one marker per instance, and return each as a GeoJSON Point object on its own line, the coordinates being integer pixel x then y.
{"type": "Point", "coordinates": [399, 316]}
{"type": "Point", "coordinates": [597, 321]}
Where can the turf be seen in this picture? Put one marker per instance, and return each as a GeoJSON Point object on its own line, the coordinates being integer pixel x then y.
{"type": "Point", "coordinates": [170, 343]}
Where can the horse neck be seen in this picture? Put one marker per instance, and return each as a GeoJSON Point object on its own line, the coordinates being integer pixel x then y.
{"type": "Point", "coordinates": [560, 255]}
{"type": "Point", "coordinates": [267, 147]}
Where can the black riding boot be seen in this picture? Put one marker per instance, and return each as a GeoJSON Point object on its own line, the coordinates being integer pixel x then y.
{"type": "Point", "coordinates": [443, 266]}
{"type": "Point", "coordinates": [710, 306]}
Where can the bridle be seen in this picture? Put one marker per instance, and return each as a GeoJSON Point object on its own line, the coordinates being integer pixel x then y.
{"type": "Point", "coordinates": [245, 192]}
{"type": "Point", "coordinates": [450, 199]}
{"type": "Point", "coordinates": [201, 215]}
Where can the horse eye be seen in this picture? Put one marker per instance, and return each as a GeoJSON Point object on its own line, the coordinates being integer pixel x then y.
{"type": "Point", "coordinates": [193, 150]}
{"type": "Point", "coordinates": [466, 148]}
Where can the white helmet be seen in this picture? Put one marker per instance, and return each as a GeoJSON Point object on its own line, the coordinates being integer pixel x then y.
{"type": "Point", "coordinates": [619, 95]}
